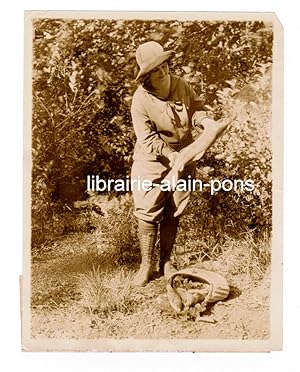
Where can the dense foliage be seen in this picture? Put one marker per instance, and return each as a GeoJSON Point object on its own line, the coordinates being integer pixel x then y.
{"type": "Point", "coordinates": [83, 81]}
{"type": "Point", "coordinates": [244, 153]}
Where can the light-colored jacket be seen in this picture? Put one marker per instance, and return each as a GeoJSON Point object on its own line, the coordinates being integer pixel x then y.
{"type": "Point", "coordinates": [163, 125]}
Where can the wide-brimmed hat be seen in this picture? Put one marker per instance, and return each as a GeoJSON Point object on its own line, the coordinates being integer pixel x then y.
{"type": "Point", "coordinates": [150, 55]}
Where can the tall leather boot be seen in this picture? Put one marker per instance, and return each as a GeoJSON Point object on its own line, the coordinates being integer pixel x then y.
{"type": "Point", "coordinates": [168, 231]}
{"type": "Point", "coordinates": [147, 232]}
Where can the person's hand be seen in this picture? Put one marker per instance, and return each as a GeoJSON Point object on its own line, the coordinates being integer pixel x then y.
{"type": "Point", "coordinates": [201, 119]}
{"type": "Point", "coordinates": [220, 124]}
{"type": "Point", "coordinates": [172, 157]}
{"type": "Point", "coordinates": [197, 118]}
{"type": "Point", "coordinates": [176, 162]}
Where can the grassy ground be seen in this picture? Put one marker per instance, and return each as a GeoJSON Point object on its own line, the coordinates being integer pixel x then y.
{"type": "Point", "coordinates": [81, 289]}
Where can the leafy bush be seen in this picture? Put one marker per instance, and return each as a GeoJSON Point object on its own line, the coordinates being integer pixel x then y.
{"type": "Point", "coordinates": [210, 53]}
{"type": "Point", "coordinates": [117, 229]}
{"type": "Point", "coordinates": [243, 153]}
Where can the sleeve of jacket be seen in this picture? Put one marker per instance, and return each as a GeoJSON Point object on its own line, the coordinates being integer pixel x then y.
{"type": "Point", "coordinates": [196, 102]}
{"type": "Point", "coordinates": [197, 111]}
{"type": "Point", "coordinates": [145, 130]}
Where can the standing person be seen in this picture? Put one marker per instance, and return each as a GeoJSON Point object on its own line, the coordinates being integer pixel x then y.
{"type": "Point", "coordinates": [162, 109]}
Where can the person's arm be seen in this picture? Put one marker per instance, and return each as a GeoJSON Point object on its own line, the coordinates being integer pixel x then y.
{"type": "Point", "coordinates": [146, 132]}
{"type": "Point", "coordinates": [197, 109]}
{"type": "Point", "coordinates": [196, 102]}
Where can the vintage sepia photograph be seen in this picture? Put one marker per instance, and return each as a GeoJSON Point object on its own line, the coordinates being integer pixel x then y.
{"type": "Point", "coordinates": [152, 182]}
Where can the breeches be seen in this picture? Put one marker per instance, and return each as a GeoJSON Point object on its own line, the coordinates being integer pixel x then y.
{"type": "Point", "coordinates": [153, 204]}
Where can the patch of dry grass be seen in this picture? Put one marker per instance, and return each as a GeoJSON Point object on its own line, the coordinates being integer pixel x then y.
{"type": "Point", "coordinates": [246, 255]}
{"type": "Point", "coordinates": [104, 292]}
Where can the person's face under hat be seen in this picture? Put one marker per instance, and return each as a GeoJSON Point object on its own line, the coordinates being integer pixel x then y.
{"type": "Point", "coordinates": [159, 75]}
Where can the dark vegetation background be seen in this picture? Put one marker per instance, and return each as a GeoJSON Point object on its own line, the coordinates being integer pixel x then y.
{"type": "Point", "coordinates": [83, 81]}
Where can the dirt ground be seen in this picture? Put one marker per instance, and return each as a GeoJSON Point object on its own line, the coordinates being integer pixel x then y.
{"type": "Point", "coordinates": [57, 310]}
